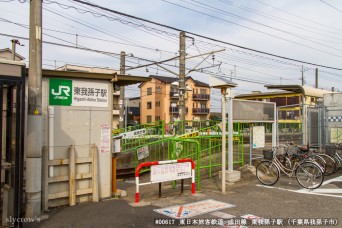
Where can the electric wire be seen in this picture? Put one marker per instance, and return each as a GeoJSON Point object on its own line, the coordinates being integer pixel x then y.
{"type": "Point", "coordinates": [205, 37]}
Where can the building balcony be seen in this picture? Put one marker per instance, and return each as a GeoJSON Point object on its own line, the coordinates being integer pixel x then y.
{"type": "Point", "coordinates": [174, 95]}
{"type": "Point", "coordinates": [202, 97]}
{"type": "Point", "coordinates": [176, 110]}
{"type": "Point", "coordinates": [200, 111]}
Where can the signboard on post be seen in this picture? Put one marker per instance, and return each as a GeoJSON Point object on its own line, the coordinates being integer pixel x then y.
{"type": "Point", "coordinates": [258, 136]}
{"type": "Point", "coordinates": [131, 134]}
{"type": "Point", "coordinates": [66, 92]}
{"type": "Point", "coordinates": [167, 172]}
{"type": "Point", "coordinates": [105, 138]}
{"type": "Point", "coordinates": [142, 152]}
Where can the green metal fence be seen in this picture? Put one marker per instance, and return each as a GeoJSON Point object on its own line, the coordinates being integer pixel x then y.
{"type": "Point", "coordinates": [203, 146]}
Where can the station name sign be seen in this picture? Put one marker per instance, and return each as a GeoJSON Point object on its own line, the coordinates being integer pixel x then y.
{"type": "Point", "coordinates": [65, 92]}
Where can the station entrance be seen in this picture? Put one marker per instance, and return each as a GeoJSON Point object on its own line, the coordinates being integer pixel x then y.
{"type": "Point", "coordinates": [12, 97]}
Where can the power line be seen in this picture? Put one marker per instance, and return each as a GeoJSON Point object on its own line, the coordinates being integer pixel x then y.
{"type": "Point", "coordinates": [331, 6]}
{"type": "Point", "coordinates": [253, 29]}
{"type": "Point", "coordinates": [281, 10]}
{"type": "Point", "coordinates": [279, 19]}
{"type": "Point", "coordinates": [96, 28]}
{"type": "Point", "coordinates": [88, 37]}
{"type": "Point", "coordinates": [215, 9]}
{"type": "Point", "coordinates": [204, 37]}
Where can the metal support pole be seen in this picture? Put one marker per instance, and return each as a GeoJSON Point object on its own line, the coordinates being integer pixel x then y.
{"type": "Point", "coordinates": [35, 118]}
{"type": "Point", "coordinates": [182, 185]}
{"type": "Point", "coordinates": [223, 174]}
{"type": "Point", "coordinates": [159, 189]}
{"type": "Point", "coordinates": [126, 113]}
{"type": "Point", "coordinates": [250, 145]}
{"type": "Point", "coordinates": [304, 118]}
{"type": "Point", "coordinates": [319, 110]}
{"type": "Point", "coordinates": [230, 133]}
{"type": "Point", "coordinates": [182, 55]}
{"type": "Point", "coordinates": [122, 90]}
{"type": "Point", "coordinates": [316, 81]}
{"type": "Point", "coordinates": [114, 173]}
{"type": "Point", "coordinates": [302, 75]}
{"type": "Point", "coordinates": [277, 124]}
{"type": "Point", "coordinates": [274, 127]}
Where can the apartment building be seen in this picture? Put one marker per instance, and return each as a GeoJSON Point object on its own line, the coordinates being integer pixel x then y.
{"type": "Point", "coordinates": [159, 100]}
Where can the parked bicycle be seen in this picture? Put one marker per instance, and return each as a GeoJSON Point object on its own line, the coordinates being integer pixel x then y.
{"type": "Point", "coordinates": [326, 162]}
{"type": "Point", "coordinates": [308, 173]}
{"type": "Point", "coordinates": [336, 154]}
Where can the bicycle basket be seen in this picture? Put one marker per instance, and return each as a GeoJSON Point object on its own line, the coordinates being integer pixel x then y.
{"type": "Point", "coordinates": [330, 150]}
{"type": "Point", "coordinates": [268, 154]}
{"type": "Point", "coordinates": [280, 150]}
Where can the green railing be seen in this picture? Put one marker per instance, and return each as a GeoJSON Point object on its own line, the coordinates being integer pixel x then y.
{"type": "Point", "coordinates": [203, 146]}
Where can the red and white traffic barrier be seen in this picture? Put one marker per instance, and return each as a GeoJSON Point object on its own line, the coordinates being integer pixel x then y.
{"type": "Point", "coordinates": [150, 164]}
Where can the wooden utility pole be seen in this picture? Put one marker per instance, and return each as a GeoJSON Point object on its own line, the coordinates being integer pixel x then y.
{"type": "Point", "coordinates": [182, 55]}
{"type": "Point", "coordinates": [34, 119]}
{"type": "Point", "coordinates": [122, 91]}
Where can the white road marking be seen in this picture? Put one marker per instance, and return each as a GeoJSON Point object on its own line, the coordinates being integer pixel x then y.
{"type": "Point", "coordinates": [319, 191]}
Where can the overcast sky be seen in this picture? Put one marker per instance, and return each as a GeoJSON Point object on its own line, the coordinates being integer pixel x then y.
{"type": "Point", "coordinates": [306, 30]}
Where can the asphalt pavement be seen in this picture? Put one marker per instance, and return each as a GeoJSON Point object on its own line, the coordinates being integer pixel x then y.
{"type": "Point", "coordinates": [284, 204]}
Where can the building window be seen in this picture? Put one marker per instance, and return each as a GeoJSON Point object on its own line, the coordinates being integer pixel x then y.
{"type": "Point", "coordinates": [292, 100]}
{"type": "Point", "coordinates": [203, 91]}
{"type": "Point", "coordinates": [157, 89]}
{"type": "Point", "coordinates": [157, 118]}
{"type": "Point", "coordinates": [149, 119]}
{"type": "Point", "coordinates": [149, 91]}
{"type": "Point", "coordinates": [280, 101]}
{"type": "Point", "coordinates": [157, 103]}
{"type": "Point", "coordinates": [149, 105]}
{"type": "Point", "coordinates": [312, 99]}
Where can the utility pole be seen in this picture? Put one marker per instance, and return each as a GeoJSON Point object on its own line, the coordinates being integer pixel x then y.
{"type": "Point", "coordinates": [316, 81]}
{"type": "Point", "coordinates": [14, 42]}
{"type": "Point", "coordinates": [182, 55]}
{"type": "Point", "coordinates": [122, 91]}
{"type": "Point", "coordinates": [126, 113]}
{"type": "Point", "coordinates": [34, 118]}
{"type": "Point", "coordinates": [302, 75]}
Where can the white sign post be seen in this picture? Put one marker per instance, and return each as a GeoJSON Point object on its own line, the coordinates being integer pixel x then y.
{"type": "Point", "coordinates": [257, 140]}
{"type": "Point", "coordinates": [258, 136]}
{"type": "Point", "coordinates": [168, 172]}
{"type": "Point", "coordinates": [142, 152]}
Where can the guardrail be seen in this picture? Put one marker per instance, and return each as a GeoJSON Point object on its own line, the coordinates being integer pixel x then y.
{"type": "Point", "coordinates": [172, 172]}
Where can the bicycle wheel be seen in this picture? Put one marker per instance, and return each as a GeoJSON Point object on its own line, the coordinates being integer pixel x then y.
{"type": "Point", "coordinates": [338, 163]}
{"type": "Point", "coordinates": [330, 164]}
{"type": "Point", "coordinates": [309, 175]}
{"type": "Point", "coordinates": [319, 160]}
{"type": "Point", "coordinates": [267, 173]}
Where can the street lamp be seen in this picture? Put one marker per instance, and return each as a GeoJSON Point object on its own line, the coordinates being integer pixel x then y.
{"type": "Point", "coordinates": [225, 86]}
